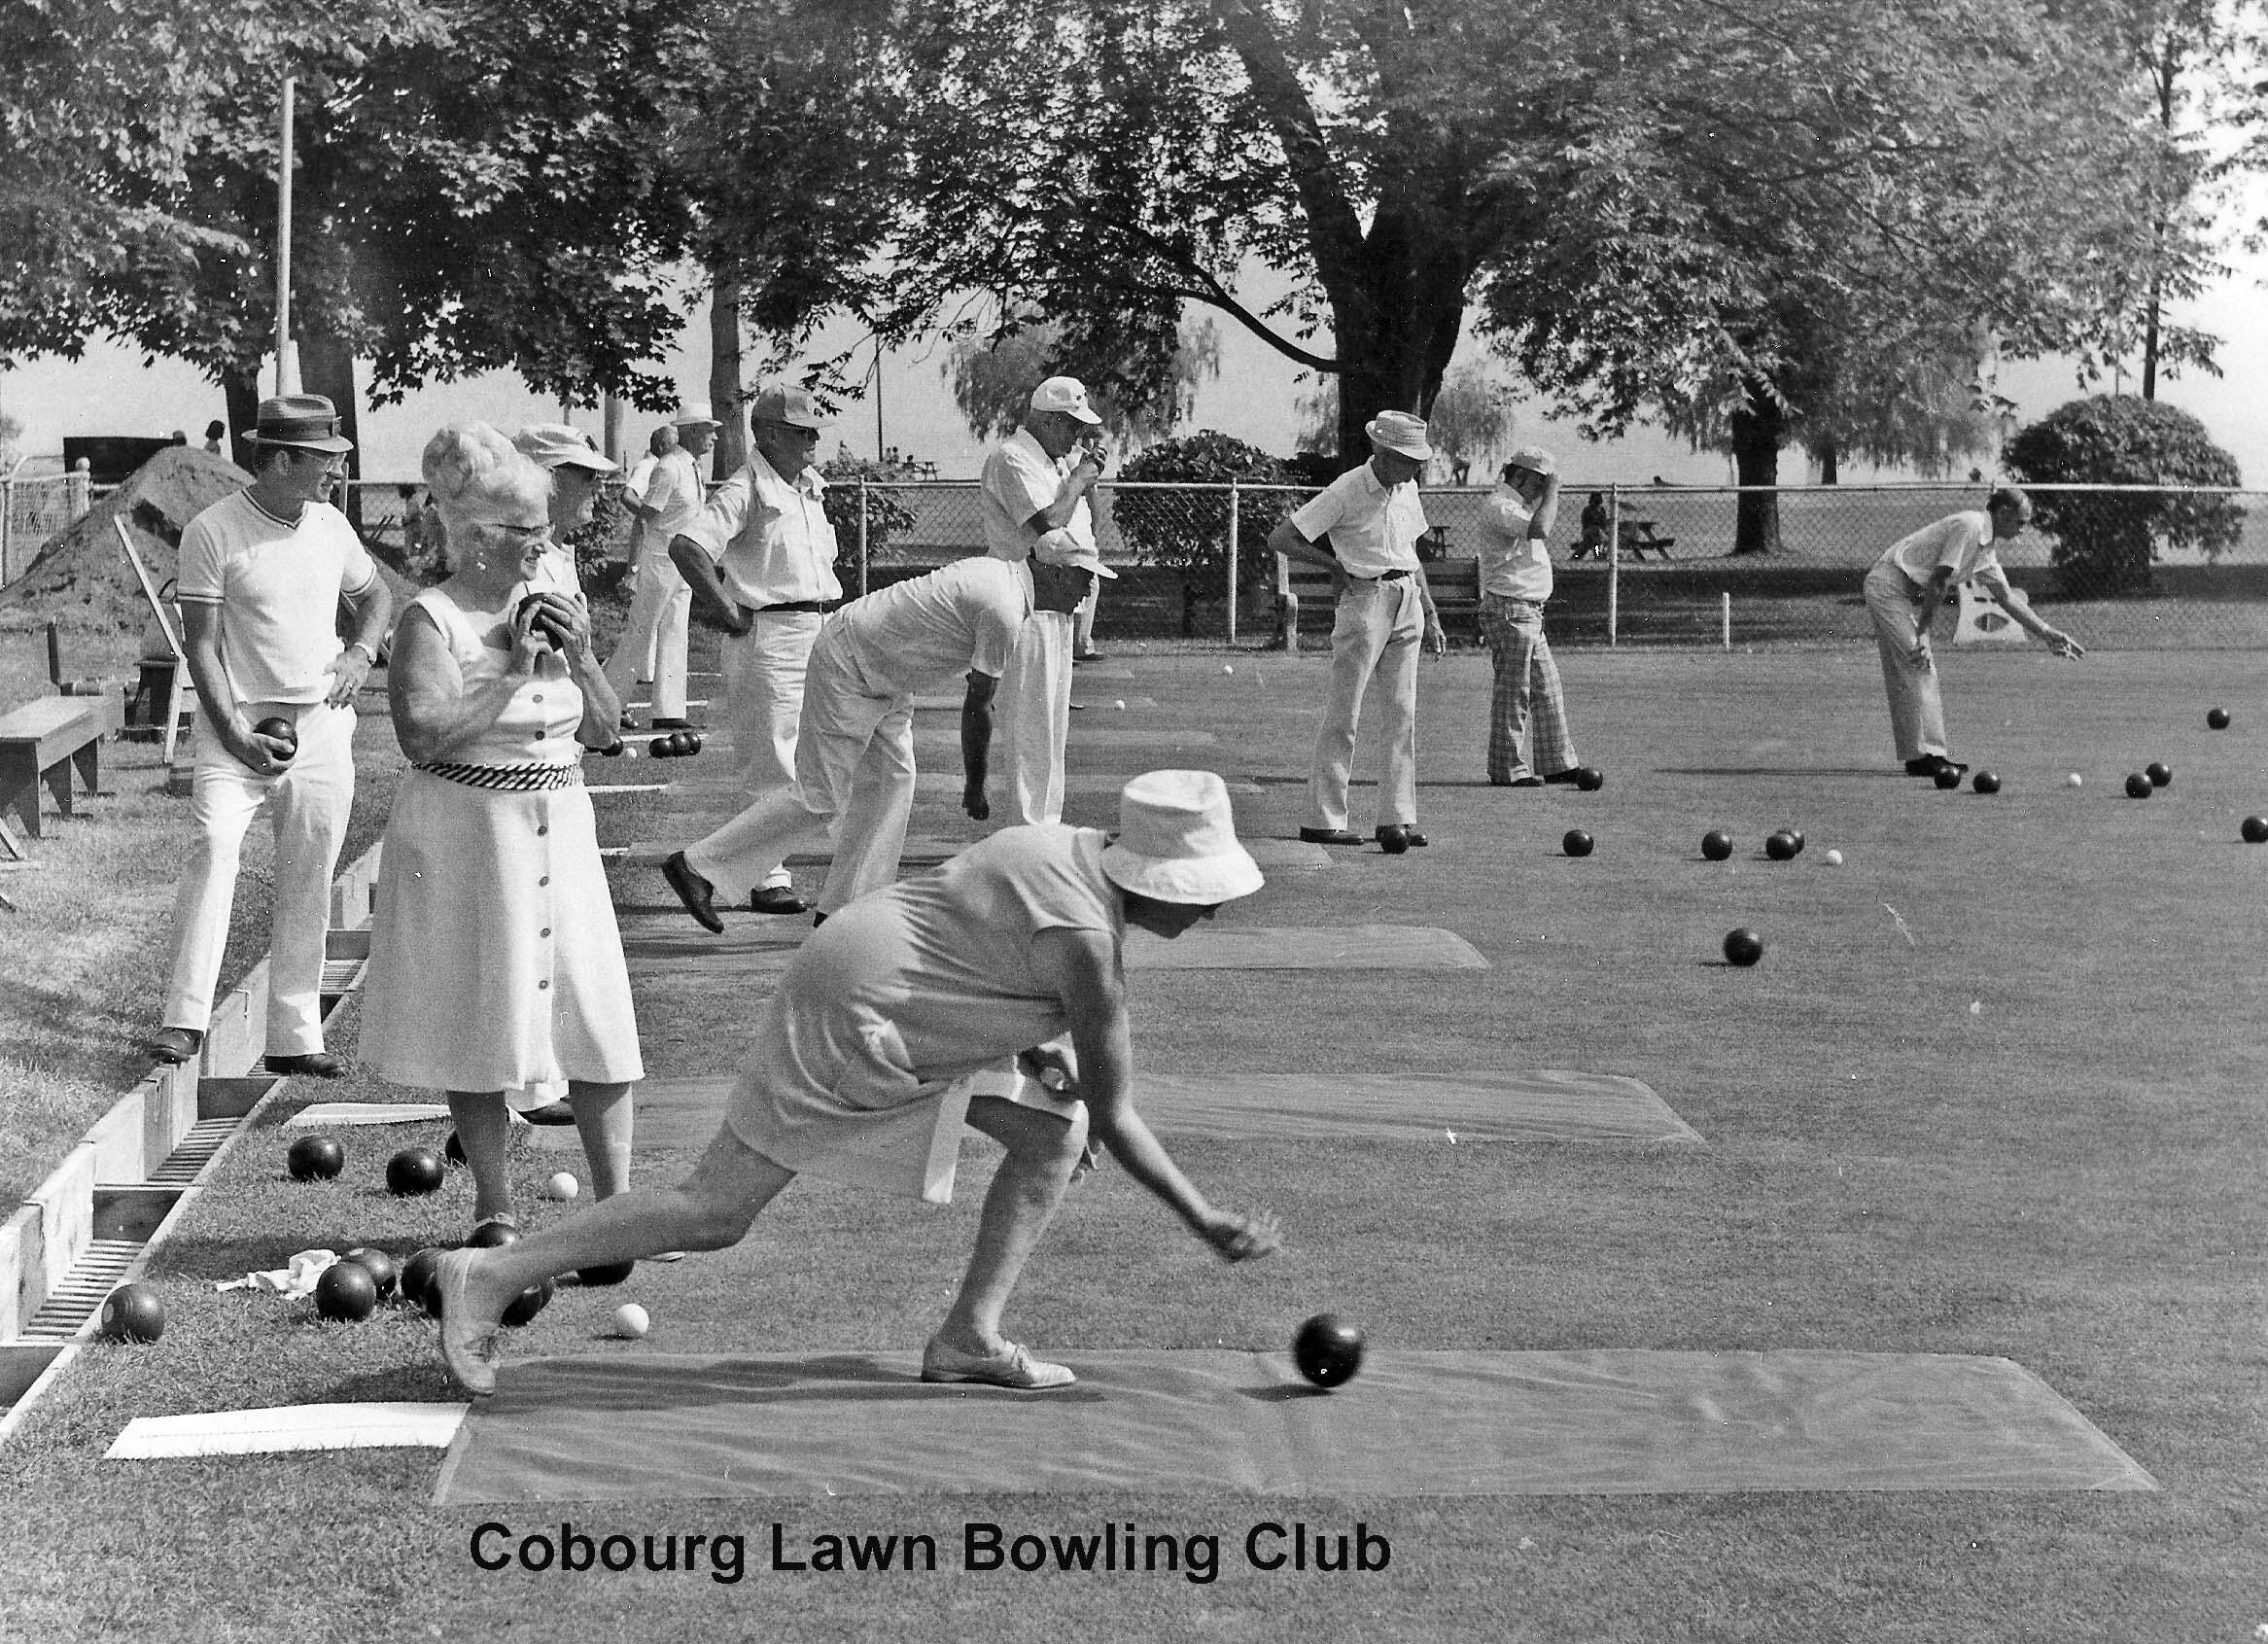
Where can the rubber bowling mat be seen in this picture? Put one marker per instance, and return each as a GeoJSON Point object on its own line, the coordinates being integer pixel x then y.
{"type": "Point", "coordinates": [1545, 1104]}
{"type": "Point", "coordinates": [636, 1425]}
{"type": "Point", "coordinates": [661, 942]}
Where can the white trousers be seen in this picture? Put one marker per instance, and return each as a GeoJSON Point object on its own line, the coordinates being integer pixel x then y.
{"type": "Point", "coordinates": [763, 704]}
{"type": "Point", "coordinates": [1917, 709]}
{"type": "Point", "coordinates": [654, 636]}
{"type": "Point", "coordinates": [854, 783]}
{"type": "Point", "coordinates": [1376, 631]}
{"type": "Point", "coordinates": [1031, 717]}
{"type": "Point", "coordinates": [308, 803]}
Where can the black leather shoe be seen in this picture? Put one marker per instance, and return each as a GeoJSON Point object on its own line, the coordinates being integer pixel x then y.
{"type": "Point", "coordinates": [1393, 839]}
{"type": "Point", "coordinates": [777, 898]}
{"type": "Point", "coordinates": [628, 721]}
{"type": "Point", "coordinates": [175, 1045]}
{"type": "Point", "coordinates": [1330, 836]}
{"type": "Point", "coordinates": [551, 1114]}
{"type": "Point", "coordinates": [314, 1064]}
{"type": "Point", "coordinates": [1416, 838]}
{"type": "Point", "coordinates": [693, 890]}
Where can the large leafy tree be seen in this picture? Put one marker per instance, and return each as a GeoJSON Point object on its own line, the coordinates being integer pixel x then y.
{"type": "Point", "coordinates": [993, 378]}
{"type": "Point", "coordinates": [477, 187]}
{"type": "Point", "coordinates": [2105, 541]}
{"type": "Point", "coordinates": [1653, 208]}
{"type": "Point", "coordinates": [103, 106]}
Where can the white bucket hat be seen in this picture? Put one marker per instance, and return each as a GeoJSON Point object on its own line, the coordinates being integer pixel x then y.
{"type": "Point", "coordinates": [1177, 841]}
{"type": "Point", "coordinates": [1399, 431]}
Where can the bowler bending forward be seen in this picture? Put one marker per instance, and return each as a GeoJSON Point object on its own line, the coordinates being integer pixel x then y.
{"type": "Point", "coordinates": [861, 1058]}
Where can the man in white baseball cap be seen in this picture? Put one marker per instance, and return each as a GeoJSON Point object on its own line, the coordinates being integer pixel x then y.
{"type": "Point", "coordinates": [578, 471]}
{"type": "Point", "coordinates": [658, 627]}
{"type": "Point", "coordinates": [864, 1064]}
{"type": "Point", "coordinates": [761, 560]}
{"type": "Point", "coordinates": [1529, 742]}
{"type": "Point", "coordinates": [1371, 517]}
{"type": "Point", "coordinates": [1033, 501]}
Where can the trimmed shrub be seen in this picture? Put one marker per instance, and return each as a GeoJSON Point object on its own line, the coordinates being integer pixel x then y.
{"type": "Point", "coordinates": [2104, 543]}
{"type": "Point", "coordinates": [1188, 531]}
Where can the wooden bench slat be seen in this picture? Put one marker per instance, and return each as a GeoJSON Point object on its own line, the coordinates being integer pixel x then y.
{"type": "Point", "coordinates": [43, 740]}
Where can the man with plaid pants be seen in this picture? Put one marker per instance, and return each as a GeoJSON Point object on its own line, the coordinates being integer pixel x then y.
{"type": "Point", "coordinates": [1528, 740]}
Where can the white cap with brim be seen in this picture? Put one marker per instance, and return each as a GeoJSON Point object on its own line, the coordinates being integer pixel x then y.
{"type": "Point", "coordinates": [1531, 459]}
{"type": "Point", "coordinates": [1060, 547]}
{"type": "Point", "coordinates": [1067, 394]}
{"type": "Point", "coordinates": [558, 445]}
{"type": "Point", "coordinates": [1177, 841]}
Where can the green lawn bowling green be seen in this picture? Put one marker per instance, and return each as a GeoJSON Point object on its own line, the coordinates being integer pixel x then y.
{"type": "Point", "coordinates": [2064, 1174]}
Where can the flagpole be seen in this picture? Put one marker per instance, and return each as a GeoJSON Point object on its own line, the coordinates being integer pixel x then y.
{"type": "Point", "coordinates": [286, 376]}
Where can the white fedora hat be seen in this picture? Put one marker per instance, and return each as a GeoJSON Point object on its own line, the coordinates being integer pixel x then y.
{"type": "Point", "coordinates": [1177, 841]}
{"type": "Point", "coordinates": [1399, 431]}
{"type": "Point", "coordinates": [695, 413]}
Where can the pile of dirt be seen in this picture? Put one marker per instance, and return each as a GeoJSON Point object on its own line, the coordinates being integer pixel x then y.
{"type": "Point", "coordinates": [82, 580]}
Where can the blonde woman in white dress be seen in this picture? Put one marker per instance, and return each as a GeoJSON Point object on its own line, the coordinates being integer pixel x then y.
{"type": "Point", "coordinates": [496, 966]}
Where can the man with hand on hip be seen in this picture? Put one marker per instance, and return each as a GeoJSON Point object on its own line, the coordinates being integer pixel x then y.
{"type": "Point", "coordinates": [760, 562]}
{"type": "Point", "coordinates": [1372, 518]}
{"type": "Point", "coordinates": [262, 576]}
{"type": "Point", "coordinates": [1033, 501]}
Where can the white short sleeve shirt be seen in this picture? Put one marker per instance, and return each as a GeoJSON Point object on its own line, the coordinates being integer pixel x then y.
{"type": "Point", "coordinates": [277, 588]}
{"type": "Point", "coordinates": [1019, 478]}
{"type": "Point", "coordinates": [1513, 564]}
{"type": "Point", "coordinates": [960, 618]}
{"type": "Point", "coordinates": [1961, 541]}
{"type": "Point", "coordinates": [1372, 530]}
{"type": "Point", "coordinates": [770, 537]}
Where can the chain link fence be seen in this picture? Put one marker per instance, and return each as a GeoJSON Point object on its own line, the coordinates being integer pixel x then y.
{"type": "Point", "coordinates": [1657, 565]}
{"type": "Point", "coordinates": [32, 509]}
{"type": "Point", "coordinates": [1666, 567]}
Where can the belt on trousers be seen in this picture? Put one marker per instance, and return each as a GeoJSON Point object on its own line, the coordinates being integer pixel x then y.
{"type": "Point", "coordinates": [809, 608]}
{"type": "Point", "coordinates": [1381, 577]}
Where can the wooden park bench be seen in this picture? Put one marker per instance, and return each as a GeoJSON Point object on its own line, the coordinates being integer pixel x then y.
{"type": "Point", "coordinates": [45, 741]}
{"type": "Point", "coordinates": [1456, 585]}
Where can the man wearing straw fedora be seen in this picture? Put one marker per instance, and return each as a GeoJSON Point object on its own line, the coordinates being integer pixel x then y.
{"type": "Point", "coordinates": [862, 1067]}
{"type": "Point", "coordinates": [657, 626]}
{"type": "Point", "coordinates": [262, 575]}
{"type": "Point", "coordinates": [1372, 518]}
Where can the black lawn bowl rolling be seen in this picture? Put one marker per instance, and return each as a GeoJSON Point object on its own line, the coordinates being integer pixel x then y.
{"type": "Point", "coordinates": [1743, 947]}
{"type": "Point", "coordinates": [1327, 1351]}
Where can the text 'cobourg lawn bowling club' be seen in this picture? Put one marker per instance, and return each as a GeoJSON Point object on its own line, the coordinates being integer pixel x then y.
{"type": "Point", "coordinates": [1124, 1547]}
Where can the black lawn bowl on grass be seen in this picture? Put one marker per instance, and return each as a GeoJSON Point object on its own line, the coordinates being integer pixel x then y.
{"type": "Point", "coordinates": [1986, 782]}
{"type": "Point", "coordinates": [384, 1271]}
{"type": "Point", "coordinates": [1780, 846]}
{"type": "Point", "coordinates": [1879, 1171]}
{"type": "Point", "coordinates": [132, 1312]}
{"type": "Point", "coordinates": [2139, 787]}
{"type": "Point", "coordinates": [417, 1276]}
{"type": "Point", "coordinates": [2217, 719]}
{"type": "Point", "coordinates": [346, 1293]}
{"type": "Point", "coordinates": [2160, 774]}
{"type": "Point", "coordinates": [1743, 946]}
{"type": "Point", "coordinates": [1947, 777]}
{"type": "Point", "coordinates": [1575, 842]}
{"type": "Point", "coordinates": [414, 1172]}
{"type": "Point", "coordinates": [315, 1158]}
{"type": "Point", "coordinates": [2254, 830]}
{"type": "Point", "coordinates": [1716, 845]}
{"type": "Point", "coordinates": [1589, 777]}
